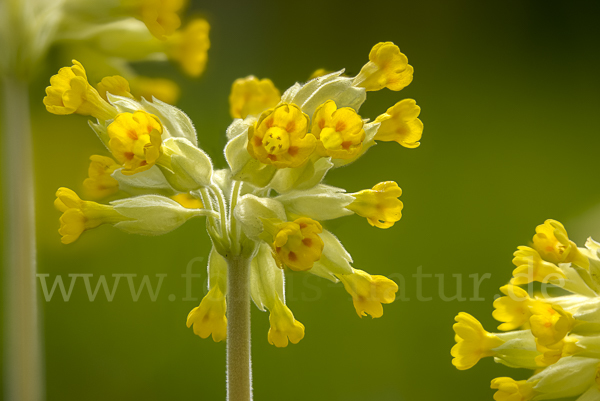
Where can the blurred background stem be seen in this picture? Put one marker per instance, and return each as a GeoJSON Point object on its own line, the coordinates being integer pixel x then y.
{"type": "Point", "coordinates": [239, 364]}
{"type": "Point", "coordinates": [22, 340]}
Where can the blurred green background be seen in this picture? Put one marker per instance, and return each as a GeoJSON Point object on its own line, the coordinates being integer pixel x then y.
{"type": "Point", "coordinates": [510, 97]}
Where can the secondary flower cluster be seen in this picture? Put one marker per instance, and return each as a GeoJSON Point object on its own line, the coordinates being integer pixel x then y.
{"type": "Point", "coordinates": [556, 336]}
{"type": "Point", "coordinates": [268, 206]}
{"type": "Point", "coordinates": [107, 34]}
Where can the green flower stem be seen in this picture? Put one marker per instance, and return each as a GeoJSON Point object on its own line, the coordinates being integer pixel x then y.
{"type": "Point", "coordinates": [21, 333]}
{"type": "Point", "coordinates": [239, 364]}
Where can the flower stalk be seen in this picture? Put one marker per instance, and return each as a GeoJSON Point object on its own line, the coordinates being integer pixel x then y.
{"type": "Point", "coordinates": [22, 339]}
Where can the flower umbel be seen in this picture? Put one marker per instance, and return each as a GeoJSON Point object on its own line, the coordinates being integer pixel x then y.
{"type": "Point", "coordinates": [557, 337]}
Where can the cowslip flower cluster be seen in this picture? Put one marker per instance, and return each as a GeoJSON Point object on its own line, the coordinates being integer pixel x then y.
{"type": "Point", "coordinates": [269, 207]}
{"type": "Point", "coordinates": [556, 336]}
{"type": "Point", "coordinates": [109, 35]}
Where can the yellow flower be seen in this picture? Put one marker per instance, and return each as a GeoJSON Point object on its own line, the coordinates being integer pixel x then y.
{"type": "Point", "coordinates": [209, 317]}
{"type": "Point", "coordinates": [319, 73]}
{"type": "Point", "coordinates": [160, 16]}
{"type": "Point", "coordinates": [513, 309]}
{"type": "Point", "coordinates": [280, 137]}
{"type": "Point", "coordinates": [79, 215]}
{"type": "Point", "coordinates": [161, 88]}
{"type": "Point", "coordinates": [388, 67]}
{"type": "Point", "coordinates": [188, 201]}
{"type": "Point", "coordinates": [379, 205]}
{"type": "Point", "coordinates": [100, 183]}
{"type": "Point", "coordinates": [400, 124]}
{"type": "Point", "coordinates": [251, 96]}
{"type": "Point", "coordinates": [115, 85]}
{"type": "Point", "coordinates": [512, 390]}
{"type": "Point", "coordinates": [296, 244]}
{"type": "Point", "coordinates": [189, 47]}
{"type": "Point", "coordinates": [70, 92]}
{"type": "Point", "coordinates": [369, 292]}
{"type": "Point", "coordinates": [339, 131]}
{"type": "Point", "coordinates": [553, 244]}
{"type": "Point", "coordinates": [472, 342]}
{"type": "Point", "coordinates": [531, 267]}
{"type": "Point", "coordinates": [283, 325]}
{"type": "Point", "coordinates": [549, 323]}
{"type": "Point", "coordinates": [135, 140]}
{"type": "Point", "coordinates": [552, 354]}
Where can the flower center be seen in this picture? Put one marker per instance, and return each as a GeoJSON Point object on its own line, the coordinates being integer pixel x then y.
{"type": "Point", "coordinates": [276, 141]}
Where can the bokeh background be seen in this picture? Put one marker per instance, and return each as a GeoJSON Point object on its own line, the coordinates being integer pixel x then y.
{"type": "Point", "coordinates": [510, 97]}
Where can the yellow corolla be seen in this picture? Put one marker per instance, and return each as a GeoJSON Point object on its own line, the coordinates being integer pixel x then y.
{"type": "Point", "coordinates": [280, 137]}
{"type": "Point", "coordinates": [379, 205]}
{"type": "Point", "coordinates": [339, 131]}
{"type": "Point", "coordinates": [369, 292]}
{"type": "Point", "coordinates": [251, 96]}
{"type": "Point", "coordinates": [135, 140]}
{"type": "Point", "coordinates": [400, 123]}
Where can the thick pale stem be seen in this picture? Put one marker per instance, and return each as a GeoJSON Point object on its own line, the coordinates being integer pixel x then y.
{"type": "Point", "coordinates": [239, 364]}
{"type": "Point", "coordinates": [23, 366]}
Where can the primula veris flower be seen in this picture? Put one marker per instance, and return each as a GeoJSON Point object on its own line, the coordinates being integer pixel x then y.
{"type": "Point", "coordinates": [513, 309]}
{"type": "Point", "coordinates": [280, 137]}
{"type": "Point", "coordinates": [531, 267]}
{"type": "Point", "coordinates": [115, 85]}
{"type": "Point", "coordinates": [79, 215]}
{"type": "Point", "coordinates": [400, 124]}
{"type": "Point", "coordinates": [283, 326]}
{"type": "Point", "coordinates": [189, 47]}
{"type": "Point", "coordinates": [387, 68]}
{"type": "Point", "coordinates": [100, 183]}
{"type": "Point", "coordinates": [553, 244]}
{"type": "Point", "coordinates": [369, 292]}
{"type": "Point", "coordinates": [379, 205]}
{"type": "Point", "coordinates": [512, 390]}
{"type": "Point", "coordinates": [70, 92]}
{"type": "Point", "coordinates": [296, 244]}
{"type": "Point", "coordinates": [472, 342]}
{"type": "Point", "coordinates": [265, 210]}
{"type": "Point", "coordinates": [555, 336]}
{"type": "Point", "coordinates": [339, 131]}
{"type": "Point", "coordinates": [135, 140]}
{"type": "Point", "coordinates": [250, 96]}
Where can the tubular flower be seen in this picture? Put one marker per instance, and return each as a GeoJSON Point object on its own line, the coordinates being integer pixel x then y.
{"type": "Point", "coordinates": [553, 244]}
{"type": "Point", "coordinates": [369, 292]}
{"type": "Point", "coordinates": [400, 124]}
{"type": "Point", "coordinates": [70, 92]}
{"type": "Point", "coordinates": [531, 267]}
{"type": "Point", "coordinates": [472, 342]}
{"type": "Point", "coordinates": [549, 324]}
{"type": "Point", "coordinates": [188, 201]}
{"type": "Point", "coordinates": [379, 205]}
{"type": "Point", "coordinates": [189, 47]}
{"type": "Point", "coordinates": [100, 184]}
{"type": "Point", "coordinates": [387, 68]}
{"type": "Point", "coordinates": [79, 215]}
{"type": "Point", "coordinates": [265, 208]}
{"type": "Point", "coordinates": [209, 317]}
{"type": "Point", "coordinates": [284, 326]}
{"type": "Point", "coordinates": [557, 337]}
{"type": "Point", "coordinates": [339, 131]}
{"type": "Point", "coordinates": [512, 309]}
{"type": "Point", "coordinates": [280, 137]}
{"type": "Point", "coordinates": [296, 244]}
{"type": "Point", "coordinates": [251, 96]}
{"type": "Point", "coordinates": [115, 85]}
{"type": "Point", "coordinates": [512, 390]}
{"type": "Point", "coordinates": [135, 140]}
